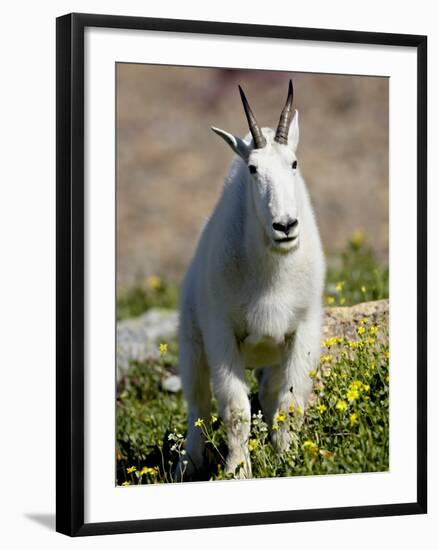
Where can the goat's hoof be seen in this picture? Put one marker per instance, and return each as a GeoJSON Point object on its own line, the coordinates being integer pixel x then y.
{"type": "Point", "coordinates": [281, 440]}
{"type": "Point", "coordinates": [187, 469]}
{"type": "Point", "coordinates": [239, 469]}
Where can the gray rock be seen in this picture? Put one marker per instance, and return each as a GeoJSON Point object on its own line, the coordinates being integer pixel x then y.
{"type": "Point", "coordinates": [343, 321]}
{"type": "Point", "coordinates": [172, 383]}
{"type": "Point", "coordinates": [138, 338]}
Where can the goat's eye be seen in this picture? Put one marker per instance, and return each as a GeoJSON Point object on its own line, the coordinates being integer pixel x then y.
{"type": "Point", "coordinates": [294, 165]}
{"type": "Point", "coordinates": [252, 168]}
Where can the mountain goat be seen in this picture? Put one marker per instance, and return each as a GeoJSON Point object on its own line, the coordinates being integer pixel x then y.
{"type": "Point", "coordinates": [252, 296]}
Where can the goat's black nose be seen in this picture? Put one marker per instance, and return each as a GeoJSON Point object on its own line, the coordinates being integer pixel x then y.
{"type": "Point", "coordinates": [285, 227]}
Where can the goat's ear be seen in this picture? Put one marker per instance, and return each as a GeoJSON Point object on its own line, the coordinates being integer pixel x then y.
{"type": "Point", "coordinates": [294, 132]}
{"type": "Point", "coordinates": [236, 144]}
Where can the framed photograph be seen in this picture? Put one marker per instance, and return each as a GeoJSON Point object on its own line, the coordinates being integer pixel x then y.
{"type": "Point", "coordinates": [241, 274]}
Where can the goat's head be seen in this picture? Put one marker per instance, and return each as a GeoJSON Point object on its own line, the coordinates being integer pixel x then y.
{"type": "Point", "coordinates": [272, 165]}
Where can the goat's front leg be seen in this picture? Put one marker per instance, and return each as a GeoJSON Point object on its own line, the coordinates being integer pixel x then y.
{"type": "Point", "coordinates": [229, 387]}
{"type": "Point", "coordinates": [289, 383]}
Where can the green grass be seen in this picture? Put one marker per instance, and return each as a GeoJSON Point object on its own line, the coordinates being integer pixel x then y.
{"type": "Point", "coordinates": [345, 430]}
{"type": "Point", "coordinates": [361, 277]}
{"type": "Point", "coordinates": [158, 292]}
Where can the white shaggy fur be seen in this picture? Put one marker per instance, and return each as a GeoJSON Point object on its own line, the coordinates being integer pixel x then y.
{"type": "Point", "coordinates": [250, 301]}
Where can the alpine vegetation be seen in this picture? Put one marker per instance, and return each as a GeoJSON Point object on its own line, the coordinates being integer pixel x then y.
{"type": "Point", "coordinates": [252, 296]}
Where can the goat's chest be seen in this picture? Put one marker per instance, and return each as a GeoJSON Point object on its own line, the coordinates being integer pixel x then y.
{"type": "Point", "coordinates": [267, 321]}
{"type": "Point", "coordinates": [270, 316]}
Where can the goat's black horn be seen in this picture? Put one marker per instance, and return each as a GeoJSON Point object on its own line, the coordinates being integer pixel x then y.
{"type": "Point", "coordinates": [258, 137]}
{"type": "Point", "coordinates": [282, 132]}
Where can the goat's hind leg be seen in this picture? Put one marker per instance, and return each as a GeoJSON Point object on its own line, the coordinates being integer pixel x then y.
{"type": "Point", "coordinates": [290, 383]}
{"type": "Point", "coordinates": [276, 399]}
{"type": "Point", "coordinates": [196, 387]}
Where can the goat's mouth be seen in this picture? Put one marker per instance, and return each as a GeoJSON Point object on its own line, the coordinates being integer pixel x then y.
{"type": "Point", "coordinates": [284, 245]}
{"type": "Point", "coordinates": [286, 239]}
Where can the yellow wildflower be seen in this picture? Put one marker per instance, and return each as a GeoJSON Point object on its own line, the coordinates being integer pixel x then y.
{"type": "Point", "coordinates": [363, 289]}
{"type": "Point", "coordinates": [330, 300]}
{"type": "Point", "coordinates": [364, 321]}
{"type": "Point", "coordinates": [357, 238]}
{"type": "Point", "coordinates": [292, 407]}
{"type": "Point", "coordinates": [213, 418]}
{"type": "Point", "coordinates": [341, 405]}
{"type": "Point", "coordinates": [374, 330]}
{"type": "Point", "coordinates": [310, 446]}
{"type": "Point", "coordinates": [353, 419]}
{"type": "Point", "coordinates": [281, 417]}
{"type": "Point", "coordinates": [131, 469]}
{"type": "Point", "coordinates": [329, 342]}
{"type": "Point", "coordinates": [366, 387]}
{"type": "Point", "coordinates": [326, 358]}
{"type": "Point", "coordinates": [371, 341]}
{"type": "Point", "coordinates": [322, 408]}
{"type": "Point", "coordinates": [360, 330]}
{"type": "Point", "coordinates": [252, 444]}
{"type": "Point", "coordinates": [199, 422]}
{"type": "Point", "coordinates": [356, 385]}
{"type": "Point", "coordinates": [154, 282]}
{"type": "Point", "coordinates": [275, 427]}
{"type": "Point", "coordinates": [340, 285]}
{"type": "Point", "coordinates": [163, 349]}
{"type": "Point", "coordinates": [352, 394]}
{"type": "Point", "coordinates": [125, 483]}
{"type": "Point", "coordinates": [312, 373]}
{"type": "Point", "coordinates": [342, 300]}
{"type": "Point", "coordinates": [146, 470]}
{"type": "Point", "coordinates": [354, 345]}
{"type": "Point", "coordinates": [300, 411]}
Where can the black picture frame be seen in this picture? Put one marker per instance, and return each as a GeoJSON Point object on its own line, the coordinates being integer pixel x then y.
{"type": "Point", "coordinates": [70, 273]}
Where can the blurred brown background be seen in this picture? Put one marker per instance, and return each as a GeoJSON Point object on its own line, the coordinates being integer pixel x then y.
{"type": "Point", "coordinates": [171, 167]}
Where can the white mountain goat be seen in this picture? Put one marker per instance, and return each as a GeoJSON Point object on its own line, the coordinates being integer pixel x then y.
{"type": "Point", "coordinates": [252, 296]}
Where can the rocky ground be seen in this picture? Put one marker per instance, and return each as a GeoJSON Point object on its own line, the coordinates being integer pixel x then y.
{"type": "Point", "coordinates": [138, 338]}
